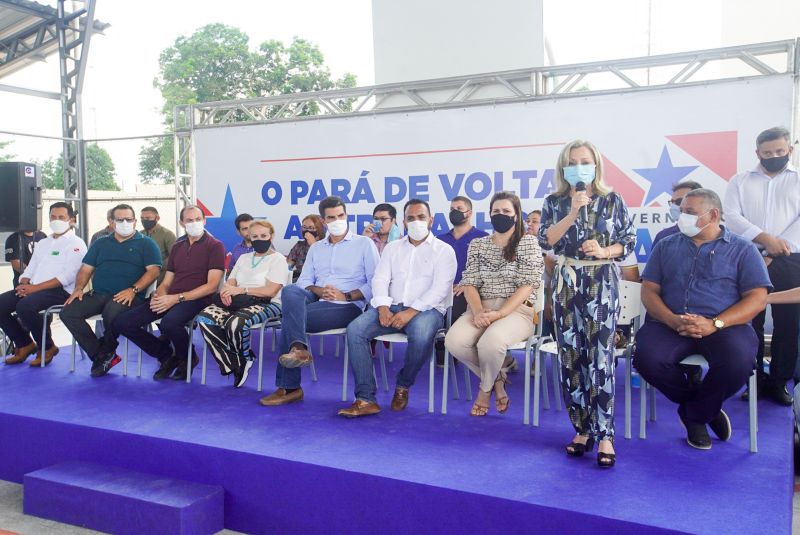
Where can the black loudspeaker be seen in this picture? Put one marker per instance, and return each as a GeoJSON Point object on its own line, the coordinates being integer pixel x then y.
{"type": "Point", "coordinates": [20, 197]}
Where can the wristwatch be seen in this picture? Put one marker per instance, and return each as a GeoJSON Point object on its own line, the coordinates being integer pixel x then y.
{"type": "Point", "coordinates": [181, 298]}
{"type": "Point", "coordinates": [135, 290]}
{"type": "Point", "coordinates": [348, 296]}
{"type": "Point", "coordinates": [718, 323]}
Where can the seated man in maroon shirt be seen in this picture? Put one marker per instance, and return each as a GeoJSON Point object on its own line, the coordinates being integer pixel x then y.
{"type": "Point", "coordinates": [196, 264]}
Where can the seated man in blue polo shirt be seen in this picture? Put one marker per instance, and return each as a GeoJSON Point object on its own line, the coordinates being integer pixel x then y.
{"type": "Point", "coordinates": [121, 267]}
{"type": "Point", "coordinates": [331, 291]}
{"type": "Point", "coordinates": [701, 287]}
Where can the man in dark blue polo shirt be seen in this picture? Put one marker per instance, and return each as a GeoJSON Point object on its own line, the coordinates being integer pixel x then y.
{"type": "Point", "coordinates": [121, 267]}
{"type": "Point", "coordinates": [701, 288]}
{"type": "Point", "coordinates": [459, 239]}
{"type": "Point", "coordinates": [195, 267]}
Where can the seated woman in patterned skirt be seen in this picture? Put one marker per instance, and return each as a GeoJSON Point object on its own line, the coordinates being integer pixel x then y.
{"type": "Point", "coordinates": [251, 295]}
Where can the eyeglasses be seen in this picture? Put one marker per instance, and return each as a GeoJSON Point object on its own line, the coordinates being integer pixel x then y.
{"type": "Point", "coordinates": [306, 229]}
{"type": "Point", "coordinates": [676, 202]}
{"type": "Point", "coordinates": [382, 219]}
{"type": "Point", "coordinates": [125, 220]}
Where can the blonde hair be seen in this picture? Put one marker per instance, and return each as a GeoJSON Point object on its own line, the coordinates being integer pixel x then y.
{"type": "Point", "coordinates": [263, 223]}
{"type": "Point", "coordinates": [598, 185]}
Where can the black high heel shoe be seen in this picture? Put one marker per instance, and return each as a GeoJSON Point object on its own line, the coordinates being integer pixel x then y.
{"type": "Point", "coordinates": [606, 460]}
{"type": "Point", "coordinates": [577, 449]}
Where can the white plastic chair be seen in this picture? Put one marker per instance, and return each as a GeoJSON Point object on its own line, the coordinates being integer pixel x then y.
{"type": "Point", "coordinates": [630, 309]}
{"type": "Point", "coordinates": [699, 360]}
{"type": "Point", "coordinates": [394, 338]}
{"type": "Point", "coordinates": [271, 323]}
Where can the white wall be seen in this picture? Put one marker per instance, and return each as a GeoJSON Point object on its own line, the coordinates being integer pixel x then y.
{"type": "Point", "coordinates": [160, 197]}
{"type": "Point", "coordinates": [423, 39]}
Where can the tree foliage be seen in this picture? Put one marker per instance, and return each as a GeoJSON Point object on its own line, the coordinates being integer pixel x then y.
{"type": "Point", "coordinates": [216, 63]}
{"type": "Point", "coordinates": [5, 156]}
{"type": "Point", "coordinates": [100, 172]}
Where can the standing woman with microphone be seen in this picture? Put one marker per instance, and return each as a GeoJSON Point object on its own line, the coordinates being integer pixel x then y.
{"type": "Point", "coordinates": [588, 227]}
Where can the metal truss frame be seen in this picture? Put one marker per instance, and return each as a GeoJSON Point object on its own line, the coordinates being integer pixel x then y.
{"type": "Point", "coordinates": [74, 32]}
{"type": "Point", "coordinates": [506, 86]}
{"type": "Point", "coordinates": [552, 82]}
{"type": "Point", "coordinates": [69, 32]}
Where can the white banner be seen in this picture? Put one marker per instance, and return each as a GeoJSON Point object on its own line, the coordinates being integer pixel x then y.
{"type": "Point", "coordinates": [650, 139]}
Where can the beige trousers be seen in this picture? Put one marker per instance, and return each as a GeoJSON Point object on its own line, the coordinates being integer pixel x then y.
{"type": "Point", "coordinates": [483, 350]}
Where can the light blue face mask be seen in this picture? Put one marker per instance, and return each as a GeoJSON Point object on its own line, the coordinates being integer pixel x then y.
{"type": "Point", "coordinates": [394, 233]}
{"type": "Point", "coordinates": [579, 173]}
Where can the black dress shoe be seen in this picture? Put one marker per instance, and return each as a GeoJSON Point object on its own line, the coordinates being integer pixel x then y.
{"type": "Point", "coordinates": [168, 366]}
{"type": "Point", "coordinates": [779, 394]}
{"type": "Point", "coordinates": [696, 434]}
{"type": "Point", "coordinates": [180, 371]}
{"type": "Point", "coordinates": [721, 426]}
{"type": "Point", "coordinates": [762, 381]}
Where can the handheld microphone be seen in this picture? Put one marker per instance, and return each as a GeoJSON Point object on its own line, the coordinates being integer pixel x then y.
{"type": "Point", "coordinates": [581, 187]}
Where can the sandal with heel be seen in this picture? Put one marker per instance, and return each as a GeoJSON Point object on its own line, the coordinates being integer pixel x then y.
{"type": "Point", "coordinates": [606, 460]}
{"type": "Point", "coordinates": [501, 403]}
{"type": "Point", "coordinates": [480, 410]}
{"type": "Point", "coordinates": [577, 449]}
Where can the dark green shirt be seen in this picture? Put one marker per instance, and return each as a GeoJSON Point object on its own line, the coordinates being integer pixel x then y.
{"type": "Point", "coordinates": [118, 265]}
{"type": "Point", "coordinates": [165, 239]}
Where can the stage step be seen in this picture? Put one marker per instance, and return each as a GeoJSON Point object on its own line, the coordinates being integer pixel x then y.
{"type": "Point", "coordinates": [120, 501]}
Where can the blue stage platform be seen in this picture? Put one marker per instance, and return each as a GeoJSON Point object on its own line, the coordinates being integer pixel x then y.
{"type": "Point", "coordinates": [302, 469]}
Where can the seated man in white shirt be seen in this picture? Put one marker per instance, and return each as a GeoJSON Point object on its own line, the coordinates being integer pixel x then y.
{"type": "Point", "coordinates": [411, 290]}
{"type": "Point", "coordinates": [48, 280]}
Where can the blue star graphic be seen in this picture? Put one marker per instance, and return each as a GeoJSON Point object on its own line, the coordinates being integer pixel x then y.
{"type": "Point", "coordinates": [662, 178]}
{"type": "Point", "coordinates": [222, 226]}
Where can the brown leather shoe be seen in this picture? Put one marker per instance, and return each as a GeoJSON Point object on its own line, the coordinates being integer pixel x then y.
{"type": "Point", "coordinates": [48, 356]}
{"type": "Point", "coordinates": [360, 408]}
{"type": "Point", "coordinates": [21, 354]}
{"type": "Point", "coordinates": [295, 358]}
{"type": "Point", "coordinates": [281, 397]}
{"type": "Point", "coordinates": [400, 398]}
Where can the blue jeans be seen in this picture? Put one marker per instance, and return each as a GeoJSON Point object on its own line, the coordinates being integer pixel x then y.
{"type": "Point", "coordinates": [420, 331]}
{"type": "Point", "coordinates": [303, 312]}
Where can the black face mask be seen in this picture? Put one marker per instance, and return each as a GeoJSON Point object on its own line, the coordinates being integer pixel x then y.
{"type": "Point", "coordinates": [502, 222]}
{"type": "Point", "coordinates": [312, 232]}
{"type": "Point", "coordinates": [262, 246]}
{"type": "Point", "coordinates": [457, 218]}
{"type": "Point", "coordinates": [773, 165]}
{"type": "Point", "coordinates": [149, 224]}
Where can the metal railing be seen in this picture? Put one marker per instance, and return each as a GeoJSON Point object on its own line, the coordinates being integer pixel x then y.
{"type": "Point", "coordinates": [614, 76]}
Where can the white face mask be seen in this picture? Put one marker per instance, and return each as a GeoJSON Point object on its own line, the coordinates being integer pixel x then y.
{"type": "Point", "coordinates": [124, 229]}
{"type": "Point", "coordinates": [59, 227]}
{"type": "Point", "coordinates": [417, 230]}
{"type": "Point", "coordinates": [195, 228]}
{"type": "Point", "coordinates": [338, 227]}
{"type": "Point", "coordinates": [687, 223]}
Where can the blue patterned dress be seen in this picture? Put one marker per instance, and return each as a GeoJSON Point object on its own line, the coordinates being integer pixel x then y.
{"type": "Point", "coordinates": [586, 306]}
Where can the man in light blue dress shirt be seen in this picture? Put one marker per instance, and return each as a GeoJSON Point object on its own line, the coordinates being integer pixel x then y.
{"type": "Point", "coordinates": [332, 290]}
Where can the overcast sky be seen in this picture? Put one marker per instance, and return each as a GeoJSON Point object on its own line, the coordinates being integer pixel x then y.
{"type": "Point", "coordinates": [119, 98]}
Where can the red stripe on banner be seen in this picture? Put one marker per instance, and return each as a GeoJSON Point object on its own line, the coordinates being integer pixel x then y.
{"type": "Point", "coordinates": [206, 211]}
{"type": "Point", "coordinates": [378, 155]}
